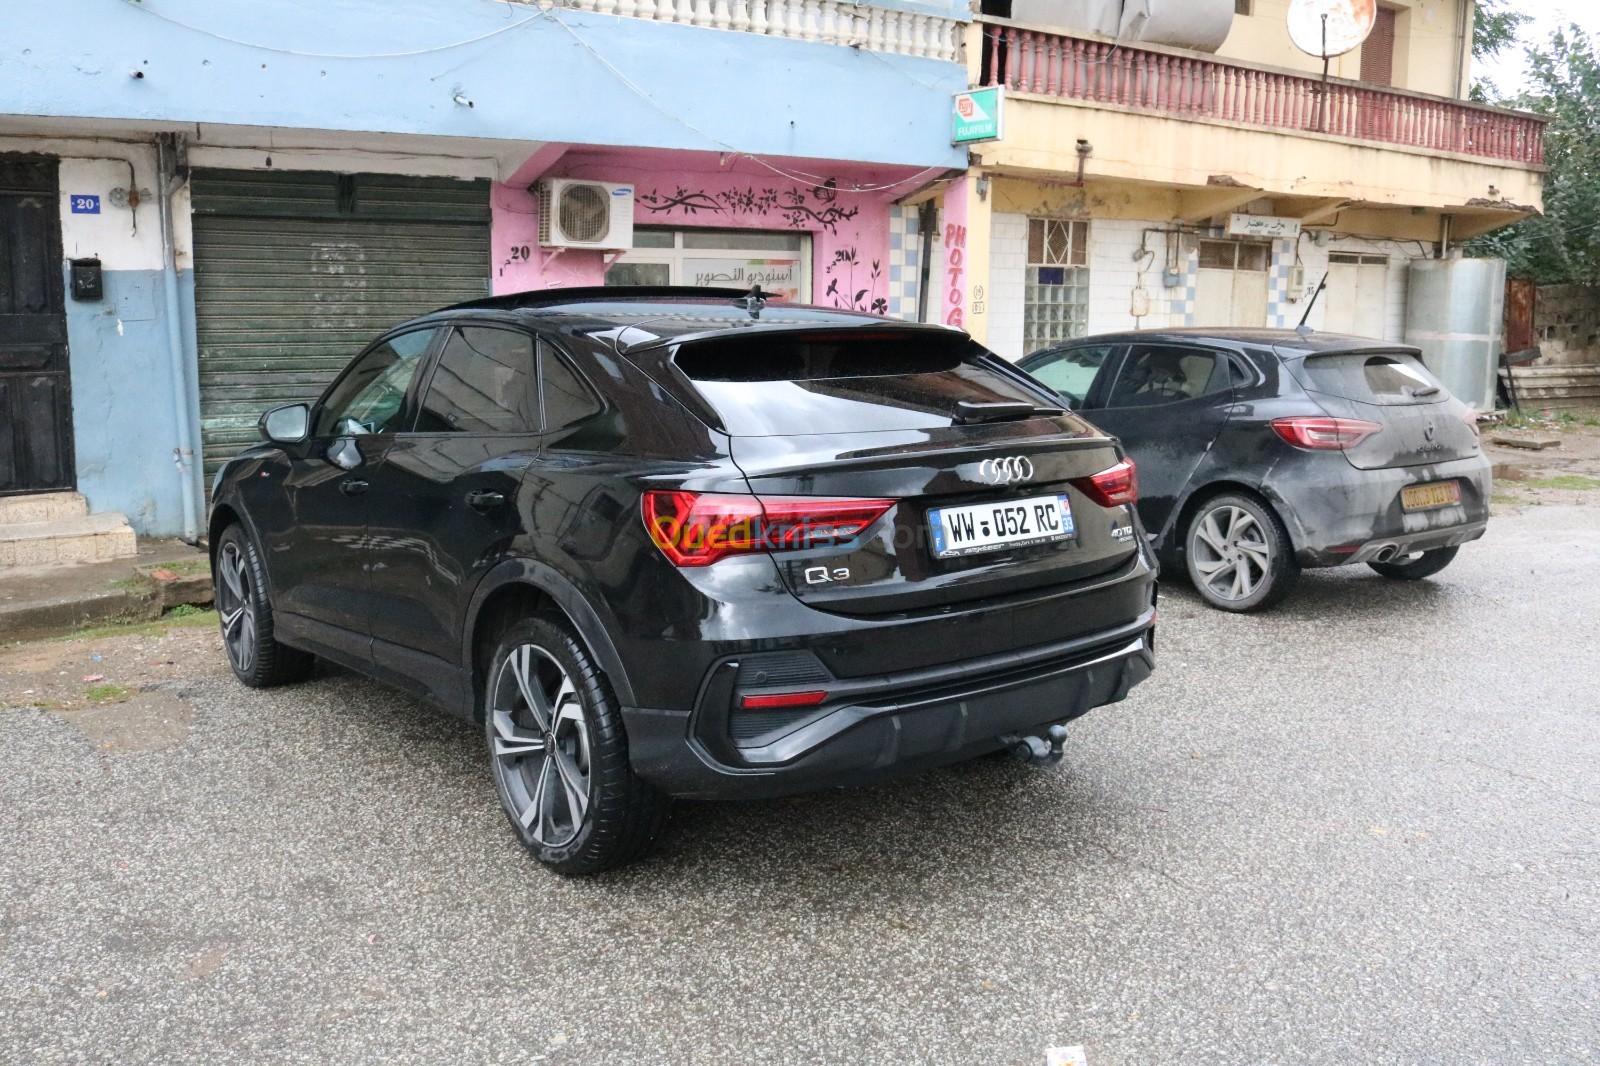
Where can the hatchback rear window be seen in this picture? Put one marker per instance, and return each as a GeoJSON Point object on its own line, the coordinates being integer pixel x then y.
{"type": "Point", "coordinates": [1388, 378]}
{"type": "Point", "coordinates": [776, 385]}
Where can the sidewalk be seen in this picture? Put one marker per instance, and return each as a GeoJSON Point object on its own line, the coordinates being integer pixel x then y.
{"type": "Point", "coordinates": [1566, 473]}
{"type": "Point", "coordinates": [45, 601]}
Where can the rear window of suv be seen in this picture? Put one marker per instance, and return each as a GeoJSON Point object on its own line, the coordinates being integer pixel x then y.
{"type": "Point", "coordinates": [776, 385]}
{"type": "Point", "coordinates": [1387, 378]}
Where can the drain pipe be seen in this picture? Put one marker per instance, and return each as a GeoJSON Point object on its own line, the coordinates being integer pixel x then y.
{"type": "Point", "coordinates": [927, 221]}
{"type": "Point", "coordinates": [183, 456]}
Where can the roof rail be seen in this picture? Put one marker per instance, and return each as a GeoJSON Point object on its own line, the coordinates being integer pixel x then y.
{"type": "Point", "coordinates": [510, 301]}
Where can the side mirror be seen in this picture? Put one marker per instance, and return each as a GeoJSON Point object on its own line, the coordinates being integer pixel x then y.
{"type": "Point", "coordinates": [286, 425]}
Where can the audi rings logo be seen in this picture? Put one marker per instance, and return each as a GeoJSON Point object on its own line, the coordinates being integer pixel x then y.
{"type": "Point", "coordinates": [1012, 468]}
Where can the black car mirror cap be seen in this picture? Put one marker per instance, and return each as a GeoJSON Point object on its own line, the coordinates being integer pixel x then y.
{"type": "Point", "coordinates": [289, 424]}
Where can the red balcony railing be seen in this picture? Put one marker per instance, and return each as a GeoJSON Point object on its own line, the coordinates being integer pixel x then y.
{"type": "Point", "coordinates": [1199, 87]}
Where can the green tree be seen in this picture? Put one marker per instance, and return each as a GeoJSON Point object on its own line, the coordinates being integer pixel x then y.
{"type": "Point", "coordinates": [1494, 28]}
{"type": "Point", "coordinates": [1563, 245]}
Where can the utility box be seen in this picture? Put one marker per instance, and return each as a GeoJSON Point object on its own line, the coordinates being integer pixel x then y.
{"type": "Point", "coordinates": [1200, 25]}
{"type": "Point", "coordinates": [1454, 313]}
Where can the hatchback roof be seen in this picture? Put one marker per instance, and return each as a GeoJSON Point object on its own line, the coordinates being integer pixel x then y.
{"type": "Point", "coordinates": [1287, 342]}
{"type": "Point", "coordinates": [641, 317]}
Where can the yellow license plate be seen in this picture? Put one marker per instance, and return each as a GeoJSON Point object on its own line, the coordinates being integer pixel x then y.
{"type": "Point", "coordinates": [1427, 497]}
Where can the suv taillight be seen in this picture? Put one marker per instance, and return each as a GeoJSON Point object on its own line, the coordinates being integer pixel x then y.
{"type": "Point", "coordinates": [1113, 486]}
{"type": "Point", "coordinates": [1324, 434]}
{"type": "Point", "coordinates": [698, 528]}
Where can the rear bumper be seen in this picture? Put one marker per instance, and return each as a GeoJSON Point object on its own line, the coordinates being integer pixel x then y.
{"type": "Point", "coordinates": [871, 728]}
{"type": "Point", "coordinates": [1338, 515]}
{"type": "Point", "coordinates": [1384, 549]}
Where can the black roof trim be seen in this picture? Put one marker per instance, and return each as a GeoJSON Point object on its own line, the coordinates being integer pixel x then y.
{"type": "Point", "coordinates": [863, 324]}
{"type": "Point", "coordinates": [578, 294]}
{"type": "Point", "coordinates": [1289, 343]}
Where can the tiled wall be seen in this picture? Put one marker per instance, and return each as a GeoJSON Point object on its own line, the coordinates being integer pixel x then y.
{"type": "Point", "coordinates": [1283, 313]}
{"type": "Point", "coordinates": [1008, 257]}
{"type": "Point", "coordinates": [1115, 274]}
{"type": "Point", "coordinates": [905, 261]}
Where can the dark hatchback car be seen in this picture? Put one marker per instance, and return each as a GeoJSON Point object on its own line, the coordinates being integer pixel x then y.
{"type": "Point", "coordinates": [680, 542]}
{"type": "Point", "coordinates": [1264, 451]}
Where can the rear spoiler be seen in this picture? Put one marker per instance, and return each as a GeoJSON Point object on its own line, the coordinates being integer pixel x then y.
{"type": "Point", "coordinates": [1373, 349]}
{"type": "Point", "coordinates": [868, 326]}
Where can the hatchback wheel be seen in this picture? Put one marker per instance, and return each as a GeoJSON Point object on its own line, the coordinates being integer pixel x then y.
{"type": "Point", "coordinates": [1238, 554]}
{"type": "Point", "coordinates": [245, 613]}
{"type": "Point", "coordinates": [560, 756]}
{"type": "Point", "coordinates": [1417, 565]}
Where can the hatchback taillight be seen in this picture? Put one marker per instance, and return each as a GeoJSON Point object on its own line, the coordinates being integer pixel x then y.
{"type": "Point", "coordinates": [1113, 486]}
{"type": "Point", "coordinates": [698, 528]}
{"type": "Point", "coordinates": [1324, 434]}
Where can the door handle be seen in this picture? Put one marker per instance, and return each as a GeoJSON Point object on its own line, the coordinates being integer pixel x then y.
{"type": "Point", "coordinates": [485, 502]}
{"type": "Point", "coordinates": [353, 487]}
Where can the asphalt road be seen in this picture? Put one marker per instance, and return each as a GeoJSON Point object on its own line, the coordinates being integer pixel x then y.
{"type": "Point", "coordinates": [1360, 829]}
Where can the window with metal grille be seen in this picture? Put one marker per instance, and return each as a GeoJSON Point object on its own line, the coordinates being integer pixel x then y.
{"type": "Point", "coordinates": [1056, 297]}
{"type": "Point", "coordinates": [1234, 255]}
{"type": "Point", "coordinates": [1353, 259]}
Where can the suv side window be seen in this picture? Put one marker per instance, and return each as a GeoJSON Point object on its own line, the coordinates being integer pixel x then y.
{"type": "Point", "coordinates": [484, 383]}
{"type": "Point", "coordinates": [567, 400]}
{"type": "Point", "coordinates": [1158, 374]}
{"type": "Point", "coordinates": [371, 395]}
{"type": "Point", "coordinates": [1070, 372]}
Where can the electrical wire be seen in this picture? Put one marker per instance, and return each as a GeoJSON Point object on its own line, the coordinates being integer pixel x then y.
{"type": "Point", "coordinates": [800, 177]}
{"type": "Point", "coordinates": [138, 5]}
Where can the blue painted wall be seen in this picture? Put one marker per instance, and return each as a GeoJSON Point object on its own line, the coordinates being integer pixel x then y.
{"type": "Point", "coordinates": [125, 428]}
{"type": "Point", "coordinates": [557, 75]}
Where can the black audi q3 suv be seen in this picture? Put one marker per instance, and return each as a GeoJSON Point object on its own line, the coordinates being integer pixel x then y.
{"type": "Point", "coordinates": [686, 542]}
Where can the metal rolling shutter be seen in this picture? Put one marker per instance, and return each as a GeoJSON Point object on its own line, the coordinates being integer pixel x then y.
{"type": "Point", "coordinates": [296, 271]}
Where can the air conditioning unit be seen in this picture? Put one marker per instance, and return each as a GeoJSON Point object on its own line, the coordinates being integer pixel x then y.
{"type": "Point", "coordinates": [585, 214]}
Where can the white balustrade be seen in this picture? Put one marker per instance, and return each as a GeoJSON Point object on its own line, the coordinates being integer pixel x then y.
{"type": "Point", "coordinates": [840, 22]}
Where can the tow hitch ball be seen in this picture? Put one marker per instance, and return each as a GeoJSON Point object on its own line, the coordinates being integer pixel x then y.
{"type": "Point", "coordinates": [1037, 750]}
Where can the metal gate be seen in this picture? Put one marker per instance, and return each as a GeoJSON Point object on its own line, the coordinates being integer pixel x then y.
{"type": "Point", "coordinates": [35, 399]}
{"type": "Point", "coordinates": [295, 271]}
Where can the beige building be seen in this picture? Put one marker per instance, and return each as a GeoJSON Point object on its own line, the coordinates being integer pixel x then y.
{"type": "Point", "coordinates": [1143, 185]}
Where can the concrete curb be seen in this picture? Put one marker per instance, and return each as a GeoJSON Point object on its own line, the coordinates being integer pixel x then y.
{"type": "Point", "coordinates": [159, 589]}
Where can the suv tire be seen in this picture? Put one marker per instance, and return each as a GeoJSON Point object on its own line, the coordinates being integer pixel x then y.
{"type": "Point", "coordinates": [559, 754]}
{"type": "Point", "coordinates": [239, 591]}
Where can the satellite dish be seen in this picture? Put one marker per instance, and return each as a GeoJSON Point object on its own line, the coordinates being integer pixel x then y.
{"type": "Point", "coordinates": [1328, 28]}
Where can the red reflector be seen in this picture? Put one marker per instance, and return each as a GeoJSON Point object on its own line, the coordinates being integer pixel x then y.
{"type": "Point", "coordinates": [1324, 434]}
{"type": "Point", "coordinates": [782, 699]}
{"type": "Point", "coordinates": [698, 528]}
{"type": "Point", "coordinates": [1113, 486]}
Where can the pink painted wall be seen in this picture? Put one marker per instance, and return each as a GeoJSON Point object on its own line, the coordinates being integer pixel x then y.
{"type": "Point", "coordinates": [840, 205]}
